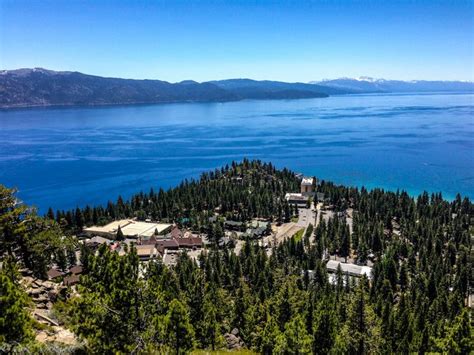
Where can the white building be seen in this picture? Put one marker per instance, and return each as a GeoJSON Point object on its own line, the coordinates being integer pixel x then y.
{"type": "Point", "coordinates": [130, 229]}
{"type": "Point", "coordinates": [348, 268]}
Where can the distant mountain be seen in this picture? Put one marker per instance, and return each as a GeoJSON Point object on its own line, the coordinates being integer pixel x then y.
{"type": "Point", "coordinates": [42, 87]}
{"type": "Point", "coordinates": [254, 89]}
{"type": "Point", "coordinates": [370, 85]}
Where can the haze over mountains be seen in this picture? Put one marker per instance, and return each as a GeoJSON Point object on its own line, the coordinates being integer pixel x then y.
{"type": "Point", "coordinates": [42, 87]}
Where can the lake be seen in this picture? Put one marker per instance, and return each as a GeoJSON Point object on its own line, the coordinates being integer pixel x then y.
{"type": "Point", "coordinates": [68, 157]}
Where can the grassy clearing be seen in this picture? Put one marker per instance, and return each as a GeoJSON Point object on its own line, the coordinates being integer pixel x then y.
{"type": "Point", "coordinates": [298, 235]}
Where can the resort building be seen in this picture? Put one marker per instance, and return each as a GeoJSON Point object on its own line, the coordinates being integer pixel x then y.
{"type": "Point", "coordinates": [130, 229]}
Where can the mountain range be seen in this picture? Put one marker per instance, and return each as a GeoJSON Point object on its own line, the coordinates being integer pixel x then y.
{"type": "Point", "coordinates": [42, 87]}
{"type": "Point", "coordinates": [370, 85]}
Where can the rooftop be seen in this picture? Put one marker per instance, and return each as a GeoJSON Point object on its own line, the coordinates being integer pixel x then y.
{"type": "Point", "coordinates": [295, 196]}
{"type": "Point", "coordinates": [129, 228]}
{"type": "Point", "coordinates": [351, 269]}
{"type": "Point", "coordinates": [307, 181]}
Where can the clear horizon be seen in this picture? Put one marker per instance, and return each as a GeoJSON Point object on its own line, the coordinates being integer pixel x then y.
{"type": "Point", "coordinates": [266, 40]}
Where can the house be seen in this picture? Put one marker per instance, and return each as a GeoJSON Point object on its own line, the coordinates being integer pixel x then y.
{"type": "Point", "coordinates": [54, 274]}
{"type": "Point", "coordinates": [76, 270]}
{"type": "Point", "coordinates": [71, 280]}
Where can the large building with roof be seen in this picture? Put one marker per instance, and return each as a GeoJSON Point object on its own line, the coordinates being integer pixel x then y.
{"type": "Point", "coordinates": [130, 229]}
{"type": "Point", "coordinates": [350, 269]}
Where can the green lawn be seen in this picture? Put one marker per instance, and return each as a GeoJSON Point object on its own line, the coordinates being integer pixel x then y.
{"type": "Point", "coordinates": [298, 235]}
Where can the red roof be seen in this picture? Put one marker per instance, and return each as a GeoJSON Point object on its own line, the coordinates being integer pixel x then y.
{"type": "Point", "coordinates": [168, 244]}
{"type": "Point", "coordinates": [151, 241]}
{"type": "Point", "coordinates": [176, 233]}
{"type": "Point", "coordinates": [190, 242]}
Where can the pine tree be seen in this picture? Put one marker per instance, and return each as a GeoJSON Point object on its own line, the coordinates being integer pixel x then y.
{"type": "Point", "coordinates": [15, 320]}
{"type": "Point", "coordinates": [180, 333]}
{"type": "Point", "coordinates": [120, 237]}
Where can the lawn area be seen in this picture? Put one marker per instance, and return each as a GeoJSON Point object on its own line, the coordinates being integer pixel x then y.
{"type": "Point", "coordinates": [299, 235]}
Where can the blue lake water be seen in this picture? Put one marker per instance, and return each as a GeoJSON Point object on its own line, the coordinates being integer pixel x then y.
{"type": "Point", "coordinates": [64, 157]}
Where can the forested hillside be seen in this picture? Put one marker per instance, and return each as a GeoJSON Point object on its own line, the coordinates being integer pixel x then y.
{"type": "Point", "coordinates": [41, 87]}
{"type": "Point", "coordinates": [278, 302]}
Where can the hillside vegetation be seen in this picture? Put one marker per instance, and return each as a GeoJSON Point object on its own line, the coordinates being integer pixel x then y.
{"type": "Point", "coordinates": [283, 302]}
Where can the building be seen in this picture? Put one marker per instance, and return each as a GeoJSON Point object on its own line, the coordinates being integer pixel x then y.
{"type": "Point", "coordinates": [95, 242]}
{"type": "Point", "coordinates": [54, 274]}
{"type": "Point", "coordinates": [233, 225]}
{"type": "Point", "coordinates": [146, 252]}
{"type": "Point", "coordinates": [307, 185]}
{"type": "Point", "coordinates": [297, 199]}
{"type": "Point", "coordinates": [350, 269]}
{"type": "Point", "coordinates": [130, 229]}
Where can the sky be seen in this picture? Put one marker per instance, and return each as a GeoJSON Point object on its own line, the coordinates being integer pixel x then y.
{"type": "Point", "coordinates": [271, 40]}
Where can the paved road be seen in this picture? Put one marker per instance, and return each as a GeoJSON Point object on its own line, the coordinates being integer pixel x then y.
{"type": "Point", "coordinates": [306, 216]}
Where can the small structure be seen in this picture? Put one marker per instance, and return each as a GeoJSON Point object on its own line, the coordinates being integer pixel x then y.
{"type": "Point", "coordinates": [350, 269]}
{"type": "Point", "coordinates": [71, 280]}
{"type": "Point", "coordinates": [54, 274]}
{"type": "Point", "coordinates": [76, 270]}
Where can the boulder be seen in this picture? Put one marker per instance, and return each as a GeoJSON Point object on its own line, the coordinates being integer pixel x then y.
{"type": "Point", "coordinates": [233, 341]}
{"type": "Point", "coordinates": [49, 285]}
{"type": "Point", "coordinates": [35, 292]}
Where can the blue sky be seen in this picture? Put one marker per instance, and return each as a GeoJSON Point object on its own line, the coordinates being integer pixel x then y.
{"type": "Point", "coordinates": [205, 40]}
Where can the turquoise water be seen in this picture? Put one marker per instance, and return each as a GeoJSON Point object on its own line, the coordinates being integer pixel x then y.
{"type": "Point", "coordinates": [68, 157]}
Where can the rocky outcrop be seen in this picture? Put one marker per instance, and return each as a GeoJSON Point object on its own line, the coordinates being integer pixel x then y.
{"type": "Point", "coordinates": [234, 342]}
